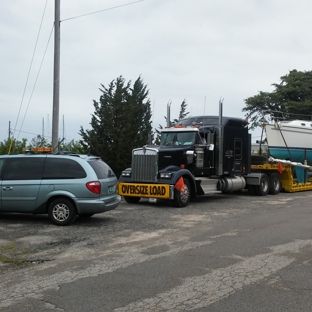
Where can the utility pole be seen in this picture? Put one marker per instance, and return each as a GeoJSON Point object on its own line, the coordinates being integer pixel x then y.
{"type": "Point", "coordinates": [56, 79]}
{"type": "Point", "coordinates": [9, 136]}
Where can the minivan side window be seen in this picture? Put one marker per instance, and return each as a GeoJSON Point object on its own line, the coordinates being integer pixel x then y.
{"type": "Point", "coordinates": [23, 168]}
{"type": "Point", "coordinates": [1, 165]}
{"type": "Point", "coordinates": [58, 168]}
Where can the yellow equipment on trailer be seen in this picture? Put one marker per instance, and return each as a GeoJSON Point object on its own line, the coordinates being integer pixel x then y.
{"type": "Point", "coordinates": [286, 171]}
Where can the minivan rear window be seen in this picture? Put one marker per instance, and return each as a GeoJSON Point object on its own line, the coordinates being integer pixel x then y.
{"type": "Point", "coordinates": [62, 168]}
{"type": "Point", "coordinates": [23, 168]}
{"type": "Point", "coordinates": [101, 169]}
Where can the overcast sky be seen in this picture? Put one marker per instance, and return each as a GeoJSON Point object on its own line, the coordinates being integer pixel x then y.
{"type": "Point", "coordinates": [197, 50]}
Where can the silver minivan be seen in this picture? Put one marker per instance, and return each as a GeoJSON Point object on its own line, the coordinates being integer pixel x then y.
{"type": "Point", "coordinates": [62, 186]}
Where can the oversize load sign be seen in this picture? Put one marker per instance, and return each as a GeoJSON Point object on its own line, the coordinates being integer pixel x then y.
{"type": "Point", "coordinates": [144, 190]}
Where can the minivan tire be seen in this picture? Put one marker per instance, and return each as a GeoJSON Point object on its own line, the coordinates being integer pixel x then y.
{"type": "Point", "coordinates": [62, 211]}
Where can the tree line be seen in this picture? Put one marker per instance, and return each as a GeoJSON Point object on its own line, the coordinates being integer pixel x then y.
{"type": "Point", "coordinates": [122, 117]}
{"type": "Point", "coordinates": [290, 99]}
{"type": "Point", "coordinates": [12, 146]}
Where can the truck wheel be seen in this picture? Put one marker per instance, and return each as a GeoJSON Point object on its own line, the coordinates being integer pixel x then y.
{"type": "Point", "coordinates": [62, 211]}
{"type": "Point", "coordinates": [132, 200]}
{"type": "Point", "coordinates": [275, 183]}
{"type": "Point", "coordinates": [182, 198]}
{"type": "Point", "coordinates": [263, 188]}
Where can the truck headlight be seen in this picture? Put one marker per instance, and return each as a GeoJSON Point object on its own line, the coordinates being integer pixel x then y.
{"type": "Point", "coordinates": [126, 174]}
{"type": "Point", "coordinates": [165, 175]}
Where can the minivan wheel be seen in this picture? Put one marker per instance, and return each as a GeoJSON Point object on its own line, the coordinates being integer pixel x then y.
{"type": "Point", "coordinates": [62, 211]}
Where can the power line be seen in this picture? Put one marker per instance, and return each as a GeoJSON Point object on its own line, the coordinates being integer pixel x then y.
{"type": "Point", "coordinates": [28, 132]}
{"type": "Point", "coordinates": [32, 92]}
{"type": "Point", "coordinates": [47, 136]}
{"type": "Point", "coordinates": [30, 67]}
{"type": "Point", "coordinates": [15, 128]}
{"type": "Point", "coordinates": [112, 8]}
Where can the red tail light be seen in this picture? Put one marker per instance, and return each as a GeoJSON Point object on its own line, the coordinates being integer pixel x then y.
{"type": "Point", "coordinates": [94, 187]}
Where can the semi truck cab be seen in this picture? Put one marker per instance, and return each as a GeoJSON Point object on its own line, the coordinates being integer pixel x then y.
{"type": "Point", "coordinates": [204, 159]}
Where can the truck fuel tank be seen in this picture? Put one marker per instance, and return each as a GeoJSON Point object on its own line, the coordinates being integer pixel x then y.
{"type": "Point", "coordinates": [231, 184]}
{"type": "Point", "coordinates": [199, 154]}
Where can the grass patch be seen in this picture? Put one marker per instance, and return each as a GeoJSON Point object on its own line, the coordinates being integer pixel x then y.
{"type": "Point", "coordinates": [10, 254]}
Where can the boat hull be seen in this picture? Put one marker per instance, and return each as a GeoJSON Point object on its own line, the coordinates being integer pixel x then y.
{"type": "Point", "coordinates": [291, 141]}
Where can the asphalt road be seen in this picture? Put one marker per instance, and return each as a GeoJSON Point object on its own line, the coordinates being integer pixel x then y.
{"type": "Point", "coordinates": [222, 253]}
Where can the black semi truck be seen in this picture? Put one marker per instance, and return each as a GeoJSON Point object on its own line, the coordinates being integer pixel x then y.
{"type": "Point", "coordinates": [197, 158]}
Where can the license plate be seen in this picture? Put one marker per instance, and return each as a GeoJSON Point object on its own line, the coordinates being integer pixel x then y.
{"type": "Point", "coordinates": [144, 190]}
{"type": "Point", "coordinates": [111, 189]}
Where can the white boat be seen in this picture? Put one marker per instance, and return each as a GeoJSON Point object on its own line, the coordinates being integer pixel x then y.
{"type": "Point", "coordinates": [290, 140]}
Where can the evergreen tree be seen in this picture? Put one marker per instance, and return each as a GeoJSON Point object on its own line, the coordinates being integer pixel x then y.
{"type": "Point", "coordinates": [120, 123]}
{"type": "Point", "coordinates": [291, 99]}
{"type": "Point", "coordinates": [182, 113]}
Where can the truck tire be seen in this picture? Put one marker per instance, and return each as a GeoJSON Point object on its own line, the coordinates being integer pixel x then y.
{"type": "Point", "coordinates": [263, 188]}
{"type": "Point", "coordinates": [131, 199]}
{"type": "Point", "coordinates": [62, 211]}
{"type": "Point", "coordinates": [182, 198]}
{"type": "Point", "coordinates": [275, 183]}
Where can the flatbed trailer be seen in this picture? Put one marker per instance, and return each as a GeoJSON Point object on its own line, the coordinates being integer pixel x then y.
{"type": "Point", "coordinates": [292, 177]}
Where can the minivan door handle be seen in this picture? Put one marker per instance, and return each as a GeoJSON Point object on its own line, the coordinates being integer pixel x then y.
{"type": "Point", "coordinates": [7, 188]}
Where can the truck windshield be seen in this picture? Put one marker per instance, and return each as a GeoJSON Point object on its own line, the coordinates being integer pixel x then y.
{"type": "Point", "coordinates": [177, 138]}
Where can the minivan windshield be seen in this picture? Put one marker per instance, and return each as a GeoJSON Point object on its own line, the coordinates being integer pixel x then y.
{"type": "Point", "coordinates": [178, 138]}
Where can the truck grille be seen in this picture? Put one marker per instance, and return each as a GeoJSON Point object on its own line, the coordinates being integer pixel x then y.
{"type": "Point", "coordinates": [144, 165]}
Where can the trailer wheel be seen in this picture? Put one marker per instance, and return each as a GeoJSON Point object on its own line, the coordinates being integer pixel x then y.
{"type": "Point", "coordinates": [263, 188]}
{"type": "Point", "coordinates": [183, 197]}
{"type": "Point", "coordinates": [132, 200]}
{"type": "Point", "coordinates": [275, 183]}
